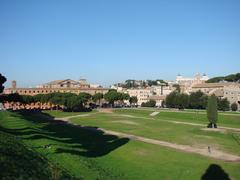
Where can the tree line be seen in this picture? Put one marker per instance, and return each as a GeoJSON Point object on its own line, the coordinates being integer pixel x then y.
{"type": "Point", "coordinates": [229, 78]}
{"type": "Point", "coordinates": [130, 83]}
{"type": "Point", "coordinates": [70, 101]}
{"type": "Point", "coordinates": [196, 100]}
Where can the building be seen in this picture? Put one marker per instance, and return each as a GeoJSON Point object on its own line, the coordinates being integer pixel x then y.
{"type": "Point", "coordinates": [187, 83]}
{"type": "Point", "coordinates": [231, 91]}
{"type": "Point", "coordinates": [162, 90]}
{"type": "Point", "coordinates": [62, 86]}
{"type": "Point", "coordinates": [66, 83]}
{"type": "Point", "coordinates": [157, 93]}
{"type": "Point", "coordinates": [142, 94]}
{"type": "Point", "coordinates": [159, 99]}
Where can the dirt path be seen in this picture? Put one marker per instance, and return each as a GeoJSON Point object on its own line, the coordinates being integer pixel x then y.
{"type": "Point", "coordinates": [75, 116]}
{"type": "Point", "coordinates": [178, 122]}
{"type": "Point", "coordinates": [189, 112]}
{"type": "Point", "coordinates": [202, 125]}
{"type": "Point", "coordinates": [216, 154]}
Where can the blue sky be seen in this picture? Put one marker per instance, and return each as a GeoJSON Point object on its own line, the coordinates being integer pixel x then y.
{"type": "Point", "coordinates": [107, 41]}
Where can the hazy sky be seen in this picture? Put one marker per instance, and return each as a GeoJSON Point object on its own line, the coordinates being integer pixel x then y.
{"type": "Point", "coordinates": [107, 41]}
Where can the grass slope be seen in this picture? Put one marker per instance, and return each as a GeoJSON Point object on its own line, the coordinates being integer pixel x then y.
{"type": "Point", "coordinates": [19, 162]}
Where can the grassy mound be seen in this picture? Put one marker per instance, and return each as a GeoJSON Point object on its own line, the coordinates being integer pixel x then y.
{"type": "Point", "coordinates": [19, 162]}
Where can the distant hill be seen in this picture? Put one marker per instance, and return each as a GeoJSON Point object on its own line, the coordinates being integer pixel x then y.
{"type": "Point", "coordinates": [229, 78]}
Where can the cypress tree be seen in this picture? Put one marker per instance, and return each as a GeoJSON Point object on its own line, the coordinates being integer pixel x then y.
{"type": "Point", "coordinates": [212, 113]}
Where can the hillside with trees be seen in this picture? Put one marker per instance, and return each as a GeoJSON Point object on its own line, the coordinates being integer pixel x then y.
{"type": "Point", "coordinates": [130, 83]}
{"type": "Point", "coordinates": [229, 78]}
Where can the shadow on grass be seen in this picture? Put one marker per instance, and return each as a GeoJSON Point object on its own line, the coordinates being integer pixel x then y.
{"type": "Point", "coordinates": [82, 141]}
{"type": "Point", "coordinates": [236, 138]}
{"type": "Point", "coordinates": [215, 172]}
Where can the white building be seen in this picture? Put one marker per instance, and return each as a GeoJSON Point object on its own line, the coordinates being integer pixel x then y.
{"type": "Point", "coordinates": [142, 94]}
{"type": "Point", "coordinates": [187, 83]}
{"type": "Point", "coordinates": [157, 93]}
{"type": "Point", "coordinates": [197, 79]}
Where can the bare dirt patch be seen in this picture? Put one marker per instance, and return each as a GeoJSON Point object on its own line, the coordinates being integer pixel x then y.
{"type": "Point", "coordinates": [126, 122]}
{"type": "Point", "coordinates": [125, 115]}
{"type": "Point", "coordinates": [214, 130]}
{"type": "Point", "coordinates": [105, 110]}
{"type": "Point", "coordinates": [203, 136]}
{"type": "Point", "coordinates": [154, 113]}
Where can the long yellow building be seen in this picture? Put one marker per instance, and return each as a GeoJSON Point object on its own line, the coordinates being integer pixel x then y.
{"type": "Point", "coordinates": [62, 86]}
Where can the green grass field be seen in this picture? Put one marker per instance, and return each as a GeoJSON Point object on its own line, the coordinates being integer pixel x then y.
{"type": "Point", "coordinates": [18, 161]}
{"type": "Point", "coordinates": [87, 154]}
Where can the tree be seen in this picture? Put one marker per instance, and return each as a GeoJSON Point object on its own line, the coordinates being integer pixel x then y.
{"type": "Point", "coordinates": [15, 97]}
{"type": "Point", "coordinates": [38, 97]}
{"type": "Point", "coordinates": [150, 103]}
{"type": "Point", "coordinates": [171, 99]}
{"type": "Point", "coordinates": [212, 113]}
{"type": "Point", "coordinates": [84, 97]}
{"type": "Point", "coordinates": [198, 100]}
{"type": "Point", "coordinates": [111, 96]}
{"type": "Point", "coordinates": [229, 78]}
{"type": "Point", "coordinates": [122, 97]}
{"type": "Point", "coordinates": [223, 104]}
{"type": "Point", "coordinates": [2, 81]}
{"type": "Point", "coordinates": [57, 100]}
{"type": "Point", "coordinates": [234, 107]}
{"type": "Point", "coordinates": [26, 99]}
{"type": "Point", "coordinates": [130, 83]}
{"type": "Point", "coordinates": [182, 101]}
{"type": "Point", "coordinates": [97, 97]}
{"type": "Point", "coordinates": [133, 100]}
{"type": "Point", "coordinates": [74, 103]}
{"type": "Point", "coordinates": [178, 88]}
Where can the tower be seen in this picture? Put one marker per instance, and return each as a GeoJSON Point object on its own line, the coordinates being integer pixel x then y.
{"type": "Point", "coordinates": [14, 84]}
